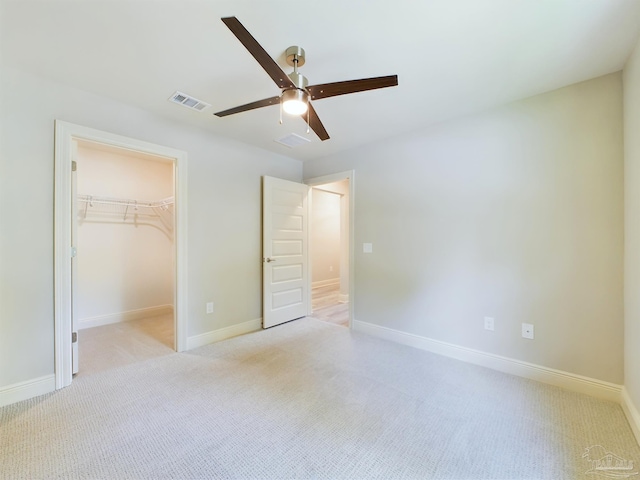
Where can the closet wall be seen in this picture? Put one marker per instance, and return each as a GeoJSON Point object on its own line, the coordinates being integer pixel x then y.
{"type": "Point", "coordinates": [125, 254]}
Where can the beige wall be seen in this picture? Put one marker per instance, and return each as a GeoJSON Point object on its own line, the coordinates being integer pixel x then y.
{"type": "Point", "coordinates": [631, 81]}
{"type": "Point", "coordinates": [325, 236]}
{"type": "Point", "coordinates": [224, 182]}
{"type": "Point", "coordinates": [125, 257]}
{"type": "Point", "coordinates": [515, 213]}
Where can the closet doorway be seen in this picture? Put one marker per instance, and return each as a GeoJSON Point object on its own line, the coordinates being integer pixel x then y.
{"type": "Point", "coordinates": [123, 294]}
{"type": "Point", "coordinates": [67, 332]}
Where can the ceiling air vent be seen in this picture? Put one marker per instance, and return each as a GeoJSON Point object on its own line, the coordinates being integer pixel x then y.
{"type": "Point", "coordinates": [189, 102]}
{"type": "Point", "coordinates": [292, 140]}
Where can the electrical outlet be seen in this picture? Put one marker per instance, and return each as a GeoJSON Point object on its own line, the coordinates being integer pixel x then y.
{"type": "Point", "coordinates": [367, 248]}
{"type": "Point", "coordinates": [527, 331]}
{"type": "Point", "coordinates": [488, 323]}
{"type": "Point", "coordinates": [331, 268]}
{"type": "Point", "coordinates": [209, 307]}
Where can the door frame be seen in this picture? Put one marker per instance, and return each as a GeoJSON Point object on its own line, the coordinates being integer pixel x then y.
{"type": "Point", "coordinates": [330, 178]}
{"type": "Point", "coordinates": [65, 133]}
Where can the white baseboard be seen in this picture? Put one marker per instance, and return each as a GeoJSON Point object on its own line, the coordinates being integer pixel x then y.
{"type": "Point", "coordinates": [559, 378]}
{"type": "Point", "coordinates": [343, 298]}
{"type": "Point", "coordinates": [325, 283]}
{"type": "Point", "coordinates": [632, 414]}
{"type": "Point", "coordinates": [223, 333]}
{"type": "Point", "coordinates": [125, 316]}
{"type": "Point", "coordinates": [25, 390]}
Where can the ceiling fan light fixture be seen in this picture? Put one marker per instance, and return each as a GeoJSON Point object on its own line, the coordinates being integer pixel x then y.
{"type": "Point", "coordinates": [297, 94]}
{"type": "Point", "coordinates": [295, 101]}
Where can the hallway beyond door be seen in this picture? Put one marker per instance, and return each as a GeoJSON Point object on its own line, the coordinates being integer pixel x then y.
{"type": "Point", "coordinates": [326, 307]}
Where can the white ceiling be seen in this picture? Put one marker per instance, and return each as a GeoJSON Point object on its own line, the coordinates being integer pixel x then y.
{"type": "Point", "coordinates": [452, 57]}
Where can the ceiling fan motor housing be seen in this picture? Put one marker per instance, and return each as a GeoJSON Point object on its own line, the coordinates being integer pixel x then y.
{"type": "Point", "coordinates": [299, 80]}
{"type": "Point", "coordinates": [295, 58]}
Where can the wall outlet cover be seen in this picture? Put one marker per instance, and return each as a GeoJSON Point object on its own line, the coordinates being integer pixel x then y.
{"type": "Point", "coordinates": [209, 307]}
{"type": "Point", "coordinates": [488, 323]}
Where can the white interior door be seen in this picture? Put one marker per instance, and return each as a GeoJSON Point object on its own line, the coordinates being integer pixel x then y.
{"type": "Point", "coordinates": [74, 257]}
{"type": "Point", "coordinates": [285, 215]}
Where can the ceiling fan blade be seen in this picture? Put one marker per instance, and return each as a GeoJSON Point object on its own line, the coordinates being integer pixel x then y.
{"type": "Point", "coordinates": [325, 90]}
{"type": "Point", "coordinates": [259, 53]}
{"type": "Point", "coordinates": [249, 106]}
{"type": "Point", "coordinates": [315, 123]}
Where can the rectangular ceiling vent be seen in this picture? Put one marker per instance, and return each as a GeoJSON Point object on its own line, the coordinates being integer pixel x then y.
{"type": "Point", "coordinates": [189, 102]}
{"type": "Point", "coordinates": [292, 140]}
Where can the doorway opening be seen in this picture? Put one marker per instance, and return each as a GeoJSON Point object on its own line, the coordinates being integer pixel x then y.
{"type": "Point", "coordinates": [68, 138]}
{"type": "Point", "coordinates": [331, 248]}
{"type": "Point", "coordinates": [123, 284]}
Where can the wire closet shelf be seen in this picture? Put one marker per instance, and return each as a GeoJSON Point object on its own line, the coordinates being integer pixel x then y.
{"type": "Point", "coordinates": [125, 206]}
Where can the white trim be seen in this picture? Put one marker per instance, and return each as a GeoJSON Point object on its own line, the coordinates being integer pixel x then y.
{"type": "Point", "coordinates": [336, 177]}
{"type": "Point", "coordinates": [224, 333]}
{"type": "Point", "coordinates": [64, 134]}
{"type": "Point", "coordinates": [631, 412]}
{"type": "Point", "coordinates": [62, 266]}
{"type": "Point", "coordinates": [325, 283]}
{"type": "Point", "coordinates": [99, 320]}
{"type": "Point", "coordinates": [25, 390]}
{"type": "Point", "coordinates": [559, 378]}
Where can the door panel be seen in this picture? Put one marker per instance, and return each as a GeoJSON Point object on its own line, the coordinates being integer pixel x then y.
{"type": "Point", "coordinates": [291, 247]}
{"type": "Point", "coordinates": [285, 243]}
{"type": "Point", "coordinates": [284, 273]}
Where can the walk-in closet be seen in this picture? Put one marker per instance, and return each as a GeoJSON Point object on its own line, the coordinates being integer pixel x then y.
{"type": "Point", "coordinates": [124, 282]}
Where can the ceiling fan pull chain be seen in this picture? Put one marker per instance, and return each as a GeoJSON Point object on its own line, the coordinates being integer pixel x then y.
{"type": "Point", "coordinates": [308, 116]}
{"type": "Point", "coordinates": [281, 111]}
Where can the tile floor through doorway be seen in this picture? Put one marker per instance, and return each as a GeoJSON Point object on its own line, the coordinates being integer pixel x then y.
{"type": "Point", "coordinates": [326, 307]}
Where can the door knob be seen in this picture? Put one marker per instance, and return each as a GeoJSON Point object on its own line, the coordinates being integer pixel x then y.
{"type": "Point", "coordinates": [269, 260]}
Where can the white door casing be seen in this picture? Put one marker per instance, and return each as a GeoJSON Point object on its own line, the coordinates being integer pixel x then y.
{"type": "Point", "coordinates": [65, 133]}
{"type": "Point", "coordinates": [285, 217]}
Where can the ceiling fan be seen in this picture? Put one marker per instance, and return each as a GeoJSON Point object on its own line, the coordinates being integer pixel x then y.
{"type": "Point", "coordinates": [297, 94]}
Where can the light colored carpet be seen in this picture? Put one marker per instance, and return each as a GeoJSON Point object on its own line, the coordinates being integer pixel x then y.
{"type": "Point", "coordinates": [307, 400]}
{"type": "Point", "coordinates": [118, 344]}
